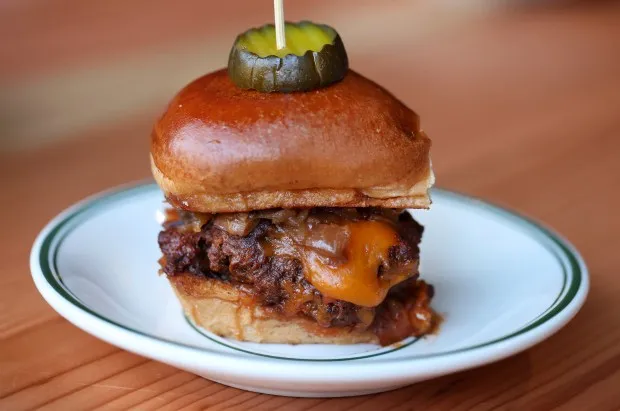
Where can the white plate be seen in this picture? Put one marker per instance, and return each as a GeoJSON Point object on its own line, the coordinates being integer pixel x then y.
{"type": "Point", "coordinates": [503, 284]}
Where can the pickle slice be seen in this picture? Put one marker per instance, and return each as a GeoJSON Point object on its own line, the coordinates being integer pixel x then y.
{"type": "Point", "coordinates": [314, 57]}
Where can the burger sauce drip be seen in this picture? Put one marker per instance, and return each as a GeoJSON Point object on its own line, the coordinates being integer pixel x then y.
{"type": "Point", "coordinates": [238, 312]}
{"type": "Point", "coordinates": [245, 303]}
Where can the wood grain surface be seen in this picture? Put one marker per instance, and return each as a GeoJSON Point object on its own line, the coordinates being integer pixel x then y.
{"type": "Point", "coordinates": [523, 107]}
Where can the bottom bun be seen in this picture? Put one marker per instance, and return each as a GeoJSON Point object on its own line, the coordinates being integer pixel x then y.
{"type": "Point", "coordinates": [226, 311]}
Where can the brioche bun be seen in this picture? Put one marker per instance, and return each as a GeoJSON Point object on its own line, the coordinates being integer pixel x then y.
{"type": "Point", "coordinates": [219, 148]}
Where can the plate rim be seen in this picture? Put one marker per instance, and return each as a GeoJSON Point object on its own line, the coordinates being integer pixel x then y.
{"type": "Point", "coordinates": [50, 285]}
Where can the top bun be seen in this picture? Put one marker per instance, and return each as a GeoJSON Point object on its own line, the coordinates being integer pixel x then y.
{"type": "Point", "coordinates": [219, 148]}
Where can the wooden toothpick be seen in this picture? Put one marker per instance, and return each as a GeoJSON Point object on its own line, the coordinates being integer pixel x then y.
{"type": "Point", "coordinates": [278, 13]}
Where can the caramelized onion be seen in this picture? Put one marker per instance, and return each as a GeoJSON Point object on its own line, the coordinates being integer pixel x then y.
{"type": "Point", "coordinates": [199, 220]}
{"type": "Point", "coordinates": [283, 216]}
{"type": "Point", "coordinates": [325, 241]}
{"type": "Point", "coordinates": [421, 316]}
{"type": "Point", "coordinates": [235, 223]}
{"type": "Point", "coordinates": [329, 240]}
{"type": "Point", "coordinates": [186, 221]}
{"type": "Point", "coordinates": [366, 316]}
{"type": "Point", "coordinates": [298, 296]}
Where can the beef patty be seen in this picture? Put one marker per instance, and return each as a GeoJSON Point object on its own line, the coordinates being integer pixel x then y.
{"type": "Point", "coordinates": [203, 245]}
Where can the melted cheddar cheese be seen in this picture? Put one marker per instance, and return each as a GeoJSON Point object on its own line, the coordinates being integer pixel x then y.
{"type": "Point", "coordinates": [357, 280]}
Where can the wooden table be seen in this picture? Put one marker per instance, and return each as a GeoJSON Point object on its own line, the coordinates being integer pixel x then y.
{"type": "Point", "coordinates": [524, 110]}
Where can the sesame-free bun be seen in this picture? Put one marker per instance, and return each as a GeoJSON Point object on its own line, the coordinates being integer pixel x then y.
{"type": "Point", "coordinates": [222, 309]}
{"type": "Point", "coordinates": [219, 148]}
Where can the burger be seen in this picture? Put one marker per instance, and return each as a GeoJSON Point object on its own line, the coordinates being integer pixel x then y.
{"type": "Point", "coordinates": [288, 176]}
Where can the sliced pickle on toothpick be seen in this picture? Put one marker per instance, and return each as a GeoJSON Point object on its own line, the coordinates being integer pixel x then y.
{"type": "Point", "coordinates": [314, 57]}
